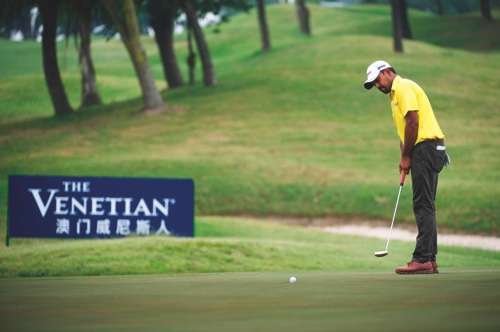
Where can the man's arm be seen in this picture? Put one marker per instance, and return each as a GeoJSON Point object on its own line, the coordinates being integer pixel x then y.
{"type": "Point", "coordinates": [411, 134]}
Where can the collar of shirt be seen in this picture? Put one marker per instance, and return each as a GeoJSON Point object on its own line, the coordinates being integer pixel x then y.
{"type": "Point", "coordinates": [395, 84]}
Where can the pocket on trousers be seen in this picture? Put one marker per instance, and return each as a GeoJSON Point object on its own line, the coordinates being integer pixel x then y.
{"type": "Point", "coordinates": [440, 160]}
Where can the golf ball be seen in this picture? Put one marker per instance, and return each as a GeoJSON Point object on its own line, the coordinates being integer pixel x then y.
{"type": "Point", "coordinates": [292, 279]}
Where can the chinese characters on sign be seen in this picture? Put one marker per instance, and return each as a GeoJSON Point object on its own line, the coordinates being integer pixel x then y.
{"type": "Point", "coordinates": [103, 227]}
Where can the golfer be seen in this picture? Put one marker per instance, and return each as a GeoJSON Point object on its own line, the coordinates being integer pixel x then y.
{"type": "Point", "coordinates": [422, 151]}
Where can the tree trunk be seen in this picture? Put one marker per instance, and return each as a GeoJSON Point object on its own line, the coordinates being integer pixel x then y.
{"type": "Point", "coordinates": [48, 10]}
{"type": "Point", "coordinates": [440, 7]}
{"type": "Point", "coordinates": [406, 23]}
{"type": "Point", "coordinates": [163, 23]}
{"type": "Point", "coordinates": [124, 15]}
{"type": "Point", "coordinates": [90, 95]}
{"type": "Point", "coordinates": [191, 59]}
{"type": "Point", "coordinates": [206, 60]}
{"type": "Point", "coordinates": [397, 26]}
{"type": "Point", "coordinates": [303, 16]}
{"type": "Point", "coordinates": [486, 10]}
{"type": "Point", "coordinates": [25, 23]}
{"type": "Point", "coordinates": [264, 31]}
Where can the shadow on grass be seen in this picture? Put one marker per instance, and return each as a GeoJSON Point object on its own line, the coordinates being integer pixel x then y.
{"type": "Point", "coordinates": [468, 32]}
{"type": "Point", "coordinates": [471, 33]}
{"type": "Point", "coordinates": [81, 115]}
{"type": "Point", "coordinates": [102, 114]}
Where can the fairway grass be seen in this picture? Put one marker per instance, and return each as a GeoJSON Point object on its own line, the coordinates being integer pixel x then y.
{"type": "Point", "coordinates": [455, 300]}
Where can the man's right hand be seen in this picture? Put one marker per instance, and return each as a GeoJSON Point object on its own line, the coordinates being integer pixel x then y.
{"type": "Point", "coordinates": [405, 164]}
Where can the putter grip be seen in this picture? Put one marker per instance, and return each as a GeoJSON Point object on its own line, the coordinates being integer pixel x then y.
{"type": "Point", "coordinates": [402, 178]}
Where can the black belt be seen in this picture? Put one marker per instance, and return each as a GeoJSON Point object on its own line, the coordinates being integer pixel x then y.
{"type": "Point", "coordinates": [439, 141]}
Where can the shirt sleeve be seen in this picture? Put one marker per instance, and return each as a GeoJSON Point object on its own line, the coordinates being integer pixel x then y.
{"type": "Point", "coordinates": [407, 100]}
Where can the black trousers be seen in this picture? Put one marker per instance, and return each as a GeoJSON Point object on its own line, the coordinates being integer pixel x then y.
{"type": "Point", "coordinates": [428, 159]}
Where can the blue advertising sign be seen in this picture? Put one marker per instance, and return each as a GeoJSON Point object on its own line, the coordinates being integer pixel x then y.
{"type": "Point", "coordinates": [99, 207]}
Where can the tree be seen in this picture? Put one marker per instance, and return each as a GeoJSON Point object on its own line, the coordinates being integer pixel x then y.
{"type": "Point", "coordinates": [406, 23]}
{"type": "Point", "coordinates": [48, 11]}
{"type": "Point", "coordinates": [89, 93]}
{"type": "Point", "coordinates": [200, 8]}
{"type": "Point", "coordinates": [303, 16]}
{"type": "Point", "coordinates": [162, 15]}
{"type": "Point", "coordinates": [440, 7]}
{"type": "Point", "coordinates": [75, 16]}
{"type": "Point", "coordinates": [191, 58]}
{"type": "Point", "coordinates": [264, 30]}
{"type": "Point", "coordinates": [203, 50]}
{"type": "Point", "coordinates": [486, 9]}
{"type": "Point", "coordinates": [397, 25]}
{"type": "Point", "coordinates": [124, 17]}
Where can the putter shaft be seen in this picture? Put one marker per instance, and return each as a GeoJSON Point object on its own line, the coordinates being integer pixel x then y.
{"type": "Point", "coordinates": [393, 217]}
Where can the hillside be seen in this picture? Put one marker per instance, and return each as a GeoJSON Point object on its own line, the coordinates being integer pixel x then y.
{"type": "Point", "coordinates": [289, 133]}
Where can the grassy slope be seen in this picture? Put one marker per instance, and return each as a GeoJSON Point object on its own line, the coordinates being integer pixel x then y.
{"type": "Point", "coordinates": [222, 245]}
{"type": "Point", "coordinates": [288, 133]}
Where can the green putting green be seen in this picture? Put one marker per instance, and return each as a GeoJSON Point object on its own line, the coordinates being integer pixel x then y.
{"type": "Point", "coordinates": [454, 300]}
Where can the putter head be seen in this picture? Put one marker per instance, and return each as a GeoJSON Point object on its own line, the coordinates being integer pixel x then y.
{"type": "Point", "coordinates": [381, 253]}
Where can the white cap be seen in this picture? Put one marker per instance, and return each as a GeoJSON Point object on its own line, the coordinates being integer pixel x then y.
{"type": "Point", "coordinates": [372, 72]}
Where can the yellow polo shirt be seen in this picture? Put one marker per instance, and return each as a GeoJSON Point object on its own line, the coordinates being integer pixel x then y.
{"type": "Point", "coordinates": [406, 96]}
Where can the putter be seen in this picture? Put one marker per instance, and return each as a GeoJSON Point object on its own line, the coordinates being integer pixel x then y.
{"type": "Point", "coordinates": [385, 252]}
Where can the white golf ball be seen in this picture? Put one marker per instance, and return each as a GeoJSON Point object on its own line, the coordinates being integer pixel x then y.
{"type": "Point", "coordinates": [292, 280]}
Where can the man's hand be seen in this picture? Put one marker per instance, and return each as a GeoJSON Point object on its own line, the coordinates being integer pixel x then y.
{"type": "Point", "coordinates": [405, 164]}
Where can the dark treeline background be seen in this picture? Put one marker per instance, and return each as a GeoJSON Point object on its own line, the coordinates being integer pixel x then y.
{"type": "Point", "coordinates": [440, 7]}
{"type": "Point", "coordinates": [448, 7]}
{"type": "Point", "coordinates": [131, 18]}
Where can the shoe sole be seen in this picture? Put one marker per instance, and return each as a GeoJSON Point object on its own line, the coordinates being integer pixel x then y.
{"type": "Point", "coordinates": [416, 272]}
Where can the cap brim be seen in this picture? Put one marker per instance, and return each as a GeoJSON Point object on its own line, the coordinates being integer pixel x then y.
{"type": "Point", "coordinates": [370, 80]}
{"type": "Point", "coordinates": [369, 84]}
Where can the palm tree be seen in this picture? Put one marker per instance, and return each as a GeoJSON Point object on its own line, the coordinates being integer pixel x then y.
{"type": "Point", "coordinates": [203, 50]}
{"type": "Point", "coordinates": [49, 11]}
{"type": "Point", "coordinates": [406, 23]}
{"type": "Point", "coordinates": [440, 7]}
{"type": "Point", "coordinates": [303, 15]}
{"type": "Point", "coordinates": [397, 25]}
{"type": "Point", "coordinates": [162, 15]}
{"type": "Point", "coordinates": [89, 95]}
{"type": "Point", "coordinates": [264, 30]}
{"type": "Point", "coordinates": [124, 16]}
{"type": "Point", "coordinates": [486, 9]}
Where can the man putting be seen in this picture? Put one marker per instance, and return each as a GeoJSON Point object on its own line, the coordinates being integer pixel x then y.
{"type": "Point", "coordinates": [422, 151]}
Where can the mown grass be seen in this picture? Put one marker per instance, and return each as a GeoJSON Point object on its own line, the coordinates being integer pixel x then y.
{"type": "Point", "coordinates": [289, 133]}
{"type": "Point", "coordinates": [319, 301]}
{"type": "Point", "coordinates": [221, 245]}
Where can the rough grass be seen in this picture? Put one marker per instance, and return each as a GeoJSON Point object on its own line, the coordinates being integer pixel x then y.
{"type": "Point", "coordinates": [221, 245]}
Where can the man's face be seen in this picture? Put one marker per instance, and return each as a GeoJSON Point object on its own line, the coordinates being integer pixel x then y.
{"type": "Point", "coordinates": [383, 82]}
